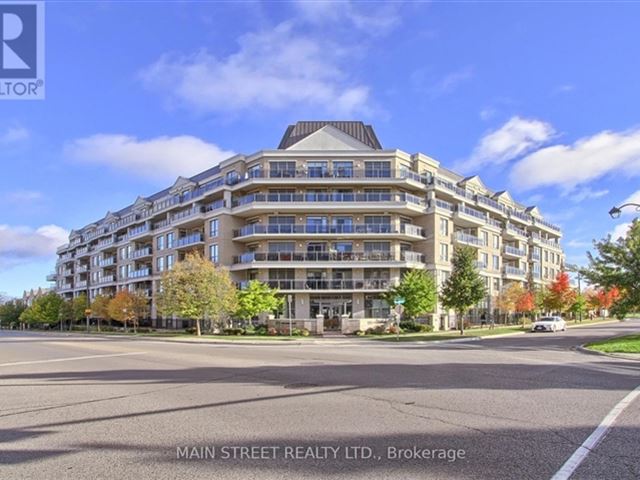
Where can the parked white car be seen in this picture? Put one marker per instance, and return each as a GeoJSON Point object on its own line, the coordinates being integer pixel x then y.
{"type": "Point", "coordinates": [549, 324]}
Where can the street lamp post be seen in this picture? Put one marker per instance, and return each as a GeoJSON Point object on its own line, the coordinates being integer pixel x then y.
{"type": "Point", "coordinates": [289, 300]}
{"type": "Point", "coordinates": [615, 212]}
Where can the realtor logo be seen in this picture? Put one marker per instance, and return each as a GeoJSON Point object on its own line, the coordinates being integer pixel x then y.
{"type": "Point", "coordinates": [21, 50]}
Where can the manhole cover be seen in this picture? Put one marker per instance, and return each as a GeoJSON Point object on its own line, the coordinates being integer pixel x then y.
{"type": "Point", "coordinates": [298, 386]}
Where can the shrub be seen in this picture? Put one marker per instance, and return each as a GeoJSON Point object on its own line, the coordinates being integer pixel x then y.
{"type": "Point", "coordinates": [359, 333]}
{"type": "Point", "coordinates": [233, 331]}
{"type": "Point", "coordinates": [377, 330]}
{"type": "Point", "coordinates": [250, 330]}
{"type": "Point", "coordinates": [304, 332]}
{"type": "Point", "coordinates": [272, 332]}
{"type": "Point", "coordinates": [260, 330]}
{"type": "Point", "coordinates": [410, 326]}
{"type": "Point", "coordinates": [144, 330]}
{"type": "Point", "coordinates": [191, 330]}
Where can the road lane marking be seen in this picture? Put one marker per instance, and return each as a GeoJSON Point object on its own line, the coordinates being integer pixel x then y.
{"type": "Point", "coordinates": [67, 359]}
{"type": "Point", "coordinates": [595, 438]}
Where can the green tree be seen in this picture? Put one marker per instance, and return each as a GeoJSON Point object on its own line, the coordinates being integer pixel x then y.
{"type": "Point", "coordinates": [65, 313]}
{"type": "Point", "coordinates": [100, 308]}
{"type": "Point", "coordinates": [617, 264]}
{"type": "Point", "coordinates": [128, 307]}
{"type": "Point", "coordinates": [10, 312]}
{"type": "Point", "coordinates": [418, 288]}
{"type": "Point", "coordinates": [579, 306]}
{"type": "Point", "coordinates": [464, 288]}
{"type": "Point", "coordinates": [257, 298]}
{"type": "Point", "coordinates": [45, 310]}
{"type": "Point", "coordinates": [196, 289]}
{"type": "Point", "coordinates": [79, 305]}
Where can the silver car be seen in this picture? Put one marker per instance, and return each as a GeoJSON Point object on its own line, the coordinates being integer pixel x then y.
{"type": "Point", "coordinates": [549, 324]}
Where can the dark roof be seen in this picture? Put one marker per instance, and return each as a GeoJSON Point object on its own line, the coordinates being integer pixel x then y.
{"type": "Point", "coordinates": [358, 130]}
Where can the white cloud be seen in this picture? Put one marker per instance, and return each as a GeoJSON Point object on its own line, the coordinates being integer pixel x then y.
{"type": "Point", "coordinates": [633, 198]}
{"type": "Point", "coordinates": [14, 135]}
{"type": "Point", "coordinates": [513, 139]}
{"type": "Point", "coordinates": [23, 196]}
{"type": "Point", "coordinates": [487, 113]}
{"type": "Point", "coordinates": [578, 244]}
{"type": "Point", "coordinates": [366, 18]}
{"type": "Point", "coordinates": [583, 161]}
{"type": "Point", "coordinates": [274, 70]}
{"type": "Point", "coordinates": [586, 193]}
{"type": "Point", "coordinates": [162, 158]}
{"type": "Point", "coordinates": [20, 244]}
{"type": "Point", "coordinates": [620, 230]}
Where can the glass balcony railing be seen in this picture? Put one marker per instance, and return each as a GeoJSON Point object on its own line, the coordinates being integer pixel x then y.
{"type": "Point", "coordinates": [378, 228]}
{"type": "Point", "coordinates": [377, 256]}
{"type": "Point", "coordinates": [469, 239]}
{"type": "Point", "coordinates": [514, 251]}
{"type": "Point", "coordinates": [106, 262]}
{"type": "Point", "coordinates": [189, 240]}
{"type": "Point", "coordinates": [142, 252]}
{"type": "Point", "coordinates": [514, 271]}
{"type": "Point", "coordinates": [143, 272]}
{"type": "Point", "coordinates": [327, 198]}
{"type": "Point", "coordinates": [472, 213]}
{"type": "Point", "coordinates": [515, 230]}
{"type": "Point", "coordinates": [326, 284]}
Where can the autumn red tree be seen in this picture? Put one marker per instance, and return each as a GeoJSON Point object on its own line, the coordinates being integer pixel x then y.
{"type": "Point", "coordinates": [526, 304]}
{"type": "Point", "coordinates": [606, 298]}
{"type": "Point", "coordinates": [560, 295]}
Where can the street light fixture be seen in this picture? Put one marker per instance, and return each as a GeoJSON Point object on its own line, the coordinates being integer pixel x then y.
{"type": "Point", "coordinates": [615, 212]}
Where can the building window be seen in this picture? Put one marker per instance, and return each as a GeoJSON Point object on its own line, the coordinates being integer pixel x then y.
{"type": "Point", "coordinates": [232, 177]}
{"type": "Point", "coordinates": [169, 262]}
{"type": "Point", "coordinates": [444, 227]}
{"type": "Point", "coordinates": [546, 255]}
{"type": "Point", "coordinates": [282, 169]}
{"type": "Point", "coordinates": [484, 259]}
{"type": "Point", "coordinates": [375, 307]}
{"type": "Point", "coordinates": [377, 169]}
{"type": "Point", "coordinates": [160, 243]}
{"type": "Point", "coordinates": [496, 262]}
{"type": "Point", "coordinates": [213, 228]}
{"type": "Point", "coordinates": [213, 253]}
{"type": "Point", "coordinates": [255, 171]}
{"type": "Point", "coordinates": [444, 252]}
{"type": "Point", "coordinates": [317, 169]}
{"type": "Point", "coordinates": [343, 169]}
{"type": "Point", "coordinates": [485, 238]}
{"type": "Point", "coordinates": [496, 242]}
{"type": "Point", "coordinates": [169, 240]}
{"type": "Point", "coordinates": [160, 264]}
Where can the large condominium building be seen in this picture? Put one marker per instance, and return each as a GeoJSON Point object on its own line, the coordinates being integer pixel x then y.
{"type": "Point", "coordinates": [329, 217]}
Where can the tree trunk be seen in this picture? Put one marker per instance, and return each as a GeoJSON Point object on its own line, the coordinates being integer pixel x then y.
{"type": "Point", "coordinates": [98, 325]}
{"type": "Point", "coordinates": [135, 326]}
{"type": "Point", "coordinates": [125, 325]}
{"type": "Point", "coordinates": [461, 324]}
{"type": "Point", "coordinates": [198, 329]}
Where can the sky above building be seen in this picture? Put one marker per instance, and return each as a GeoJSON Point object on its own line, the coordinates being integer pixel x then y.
{"type": "Point", "coordinates": [540, 99]}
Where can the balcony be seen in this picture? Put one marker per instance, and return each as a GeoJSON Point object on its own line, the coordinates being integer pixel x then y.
{"type": "Point", "coordinates": [514, 272]}
{"type": "Point", "coordinates": [140, 253]}
{"type": "Point", "coordinates": [81, 284]}
{"type": "Point", "coordinates": [67, 272]}
{"type": "Point", "coordinates": [378, 256]}
{"type": "Point", "coordinates": [543, 224]}
{"type": "Point", "coordinates": [468, 239]}
{"type": "Point", "coordinates": [83, 252]}
{"type": "Point", "coordinates": [469, 217]}
{"type": "Point", "coordinates": [106, 279]}
{"type": "Point", "coordinates": [141, 273]}
{"type": "Point", "coordinates": [82, 268]}
{"type": "Point", "coordinates": [490, 203]}
{"type": "Point", "coordinates": [324, 284]}
{"type": "Point", "coordinates": [445, 207]}
{"type": "Point", "coordinates": [187, 215]}
{"type": "Point", "coordinates": [385, 229]}
{"type": "Point", "coordinates": [66, 286]}
{"type": "Point", "coordinates": [340, 173]}
{"type": "Point", "coordinates": [521, 217]}
{"type": "Point", "coordinates": [138, 231]}
{"type": "Point", "coordinates": [189, 240]}
{"type": "Point", "coordinates": [105, 244]}
{"type": "Point", "coordinates": [510, 251]}
{"type": "Point", "coordinates": [545, 241]}
{"type": "Point", "coordinates": [304, 201]}
{"type": "Point", "coordinates": [107, 262]}
{"type": "Point", "coordinates": [513, 232]}
{"type": "Point", "coordinates": [52, 277]}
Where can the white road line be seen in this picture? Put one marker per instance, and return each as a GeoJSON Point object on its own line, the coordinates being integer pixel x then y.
{"type": "Point", "coordinates": [594, 439]}
{"type": "Point", "coordinates": [67, 359]}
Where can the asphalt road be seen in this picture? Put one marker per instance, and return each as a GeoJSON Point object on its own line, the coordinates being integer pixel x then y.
{"type": "Point", "coordinates": [518, 407]}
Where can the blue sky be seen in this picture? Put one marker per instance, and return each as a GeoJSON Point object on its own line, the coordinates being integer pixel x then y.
{"type": "Point", "coordinates": [538, 98]}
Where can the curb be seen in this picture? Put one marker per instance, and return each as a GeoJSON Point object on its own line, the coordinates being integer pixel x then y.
{"type": "Point", "coordinates": [618, 356]}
